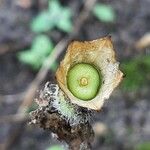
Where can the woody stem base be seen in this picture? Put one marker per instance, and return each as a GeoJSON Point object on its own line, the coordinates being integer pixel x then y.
{"type": "Point", "coordinates": [78, 136]}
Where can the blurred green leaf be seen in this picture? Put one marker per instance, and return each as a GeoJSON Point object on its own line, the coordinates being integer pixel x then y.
{"type": "Point", "coordinates": [54, 6]}
{"type": "Point", "coordinates": [137, 72]}
{"type": "Point", "coordinates": [104, 13]}
{"type": "Point", "coordinates": [56, 16]}
{"type": "Point", "coordinates": [28, 57]}
{"type": "Point", "coordinates": [42, 45]}
{"type": "Point", "coordinates": [54, 66]}
{"type": "Point", "coordinates": [40, 49]}
{"type": "Point", "coordinates": [55, 147]}
{"type": "Point", "coordinates": [42, 23]}
{"type": "Point", "coordinates": [143, 146]}
{"type": "Point", "coordinates": [65, 24]}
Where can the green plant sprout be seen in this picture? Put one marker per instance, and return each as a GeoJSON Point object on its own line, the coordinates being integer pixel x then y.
{"type": "Point", "coordinates": [137, 72]}
{"type": "Point", "coordinates": [55, 16]}
{"type": "Point", "coordinates": [55, 147]}
{"type": "Point", "coordinates": [143, 146]}
{"type": "Point", "coordinates": [104, 13]}
{"type": "Point", "coordinates": [84, 81]}
{"type": "Point", "coordinates": [41, 47]}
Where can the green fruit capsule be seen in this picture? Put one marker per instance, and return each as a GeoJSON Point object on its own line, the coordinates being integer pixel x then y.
{"type": "Point", "coordinates": [84, 81]}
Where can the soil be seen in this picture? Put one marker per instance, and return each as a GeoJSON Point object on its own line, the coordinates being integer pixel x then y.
{"type": "Point", "coordinates": [126, 115]}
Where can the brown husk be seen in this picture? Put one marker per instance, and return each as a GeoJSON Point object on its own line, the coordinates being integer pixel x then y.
{"type": "Point", "coordinates": [100, 53]}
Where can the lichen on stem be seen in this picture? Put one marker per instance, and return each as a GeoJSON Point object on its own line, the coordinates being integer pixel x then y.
{"type": "Point", "coordinates": [74, 129]}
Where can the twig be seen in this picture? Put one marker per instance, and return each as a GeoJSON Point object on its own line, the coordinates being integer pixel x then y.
{"type": "Point", "coordinates": [143, 42]}
{"type": "Point", "coordinates": [28, 99]}
{"type": "Point", "coordinates": [6, 47]}
{"type": "Point", "coordinates": [14, 118]}
{"type": "Point", "coordinates": [12, 98]}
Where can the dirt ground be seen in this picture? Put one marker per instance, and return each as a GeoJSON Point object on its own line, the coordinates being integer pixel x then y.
{"type": "Point", "coordinates": [125, 115]}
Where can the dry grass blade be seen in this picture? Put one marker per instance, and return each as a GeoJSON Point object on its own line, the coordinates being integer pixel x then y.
{"type": "Point", "coordinates": [143, 42]}
{"type": "Point", "coordinates": [14, 118]}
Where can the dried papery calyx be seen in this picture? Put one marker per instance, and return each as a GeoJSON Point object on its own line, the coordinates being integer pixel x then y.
{"type": "Point", "coordinates": [99, 57]}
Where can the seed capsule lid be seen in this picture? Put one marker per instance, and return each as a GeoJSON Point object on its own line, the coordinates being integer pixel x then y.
{"type": "Point", "coordinates": [99, 53]}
